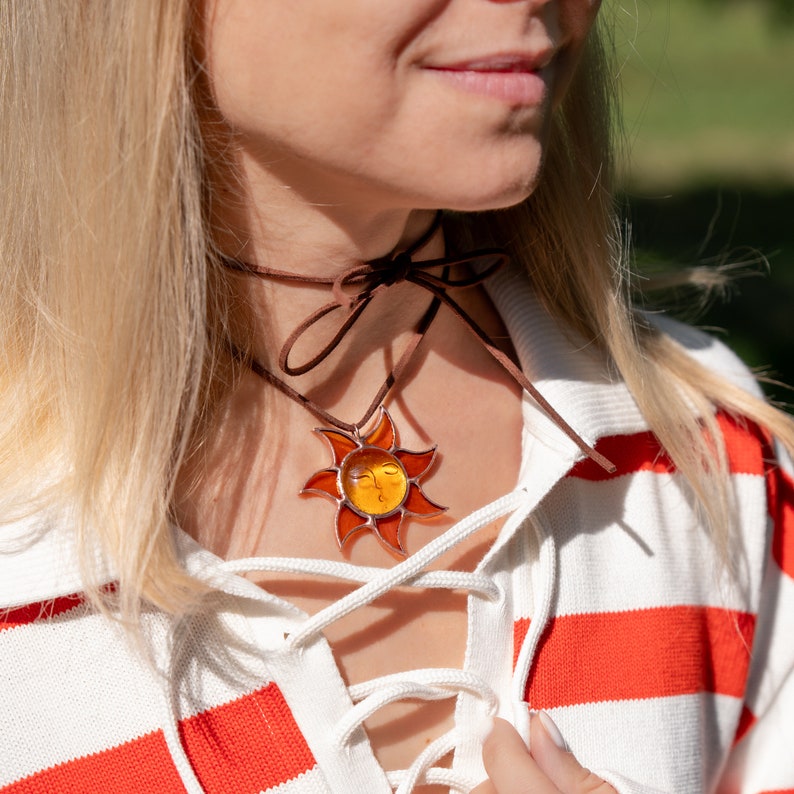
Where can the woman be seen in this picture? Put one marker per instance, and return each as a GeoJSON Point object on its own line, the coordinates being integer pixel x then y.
{"type": "Point", "coordinates": [220, 234]}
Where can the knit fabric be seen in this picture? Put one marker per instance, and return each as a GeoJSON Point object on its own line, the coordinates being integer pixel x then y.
{"type": "Point", "coordinates": [603, 602]}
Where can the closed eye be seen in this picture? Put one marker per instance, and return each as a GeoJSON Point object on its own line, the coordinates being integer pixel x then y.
{"type": "Point", "coordinates": [361, 473]}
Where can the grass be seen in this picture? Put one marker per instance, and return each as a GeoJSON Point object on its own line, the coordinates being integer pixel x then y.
{"type": "Point", "coordinates": [708, 91]}
{"type": "Point", "coordinates": [708, 225]}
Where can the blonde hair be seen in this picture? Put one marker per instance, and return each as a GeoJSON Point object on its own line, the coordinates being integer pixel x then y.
{"type": "Point", "coordinates": [104, 290]}
{"type": "Point", "coordinates": [108, 298]}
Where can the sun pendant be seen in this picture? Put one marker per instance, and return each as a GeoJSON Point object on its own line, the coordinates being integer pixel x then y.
{"type": "Point", "coordinates": [374, 483]}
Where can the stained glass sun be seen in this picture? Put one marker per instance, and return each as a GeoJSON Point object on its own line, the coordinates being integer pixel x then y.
{"type": "Point", "coordinates": [374, 483]}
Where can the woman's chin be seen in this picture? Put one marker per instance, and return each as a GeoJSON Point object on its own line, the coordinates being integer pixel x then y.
{"type": "Point", "coordinates": [480, 201]}
{"type": "Point", "coordinates": [492, 190]}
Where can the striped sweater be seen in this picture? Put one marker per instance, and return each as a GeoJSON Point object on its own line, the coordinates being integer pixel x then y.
{"type": "Point", "coordinates": [603, 602]}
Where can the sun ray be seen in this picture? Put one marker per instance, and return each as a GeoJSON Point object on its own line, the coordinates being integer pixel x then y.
{"type": "Point", "coordinates": [341, 443]}
{"type": "Point", "coordinates": [416, 463]}
{"type": "Point", "coordinates": [347, 524]}
{"type": "Point", "coordinates": [388, 530]}
{"type": "Point", "coordinates": [323, 482]}
{"type": "Point", "coordinates": [384, 434]}
{"type": "Point", "coordinates": [417, 504]}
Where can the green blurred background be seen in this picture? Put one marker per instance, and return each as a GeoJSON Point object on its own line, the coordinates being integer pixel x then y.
{"type": "Point", "coordinates": [708, 95]}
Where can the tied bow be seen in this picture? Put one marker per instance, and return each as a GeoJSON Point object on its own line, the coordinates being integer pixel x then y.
{"type": "Point", "coordinates": [374, 278]}
{"type": "Point", "coordinates": [354, 289]}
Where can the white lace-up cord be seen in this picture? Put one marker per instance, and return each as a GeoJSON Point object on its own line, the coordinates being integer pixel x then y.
{"type": "Point", "coordinates": [178, 755]}
{"type": "Point", "coordinates": [428, 684]}
{"type": "Point", "coordinates": [436, 776]}
{"type": "Point", "coordinates": [170, 722]}
{"type": "Point", "coordinates": [547, 560]}
{"type": "Point", "coordinates": [410, 568]}
{"type": "Point", "coordinates": [435, 683]}
{"type": "Point", "coordinates": [422, 769]}
{"type": "Point", "coordinates": [478, 584]}
{"type": "Point", "coordinates": [369, 696]}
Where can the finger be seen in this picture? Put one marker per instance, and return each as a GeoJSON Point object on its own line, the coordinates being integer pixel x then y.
{"type": "Point", "coordinates": [560, 766]}
{"type": "Point", "coordinates": [510, 767]}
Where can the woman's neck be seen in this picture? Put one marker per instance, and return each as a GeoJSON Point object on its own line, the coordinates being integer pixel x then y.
{"type": "Point", "coordinates": [269, 218]}
{"type": "Point", "coordinates": [286, 234]}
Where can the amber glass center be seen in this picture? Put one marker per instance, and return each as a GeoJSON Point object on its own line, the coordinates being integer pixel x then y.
{"type": "Point", "coordinates": [374, 481]}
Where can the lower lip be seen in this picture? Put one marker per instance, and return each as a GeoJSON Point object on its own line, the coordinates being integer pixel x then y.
{"type": "Point", "coordinates": [515, 88]}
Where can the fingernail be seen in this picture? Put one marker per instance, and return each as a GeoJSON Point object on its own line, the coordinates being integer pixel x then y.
{"type": "Point", "coordinates": [552, 730]}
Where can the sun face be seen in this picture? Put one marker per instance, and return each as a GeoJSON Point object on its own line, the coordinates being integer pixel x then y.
{"type": "Point", "coordinates": [374, 483]}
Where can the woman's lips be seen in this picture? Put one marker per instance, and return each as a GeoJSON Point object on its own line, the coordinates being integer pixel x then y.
{"type": "Point", "coordinates": [516, 80]}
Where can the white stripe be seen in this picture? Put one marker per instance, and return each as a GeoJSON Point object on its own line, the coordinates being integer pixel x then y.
{"type": "Point", "coordinates": [644, 547]}
{"type": "Point", "coordinates": [39, 561]}
{"type": "Point", "coordinates": [65, 701]}
{"type": "Point", "coordinates": [84, 688]}
{"type": "Point", "coordinates": [773, 649]}
{"type": "Point", "coordinates": [768, 746]}
{"type": "Point", "coordinates": [311, 782]}
{"type": "Point", "coordinates": [642, 739]}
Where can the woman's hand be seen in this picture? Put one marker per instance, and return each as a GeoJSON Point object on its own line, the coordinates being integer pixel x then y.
{"type": "Point", "coordinates": [547, 769]}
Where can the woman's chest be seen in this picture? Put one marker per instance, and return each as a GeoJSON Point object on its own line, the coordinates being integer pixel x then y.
{"type": "Point", "coordinates": [379, 647]}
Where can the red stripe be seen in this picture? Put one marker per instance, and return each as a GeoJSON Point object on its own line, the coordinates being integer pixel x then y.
{"type": "Point", "coordinates": [644, 653]}
{"type": "Point", "coordinates": [780, 491]}
{"type": "Point", "coordinates": [46, 610]}
{"type": "Point", "coordinates": [248, 745]}
{"type": "Point", "coordinates": [746, 722]}
{"type": "Point", "coordinates": [142, 766]}
{"type": "Point", "coordinates": [245, 746]}
{"type": "Point", "coordinates": [630, 453]}
{"type": "Point", "coordinates": [40, 610]}
{"type": "Point", "coordinates": [744, 444]}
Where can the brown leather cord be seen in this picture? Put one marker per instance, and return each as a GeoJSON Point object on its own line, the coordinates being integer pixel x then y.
{"type": "Point", "coordinates": [391, 378]}
{"type": "Point", "coordinates": [373, 278]}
